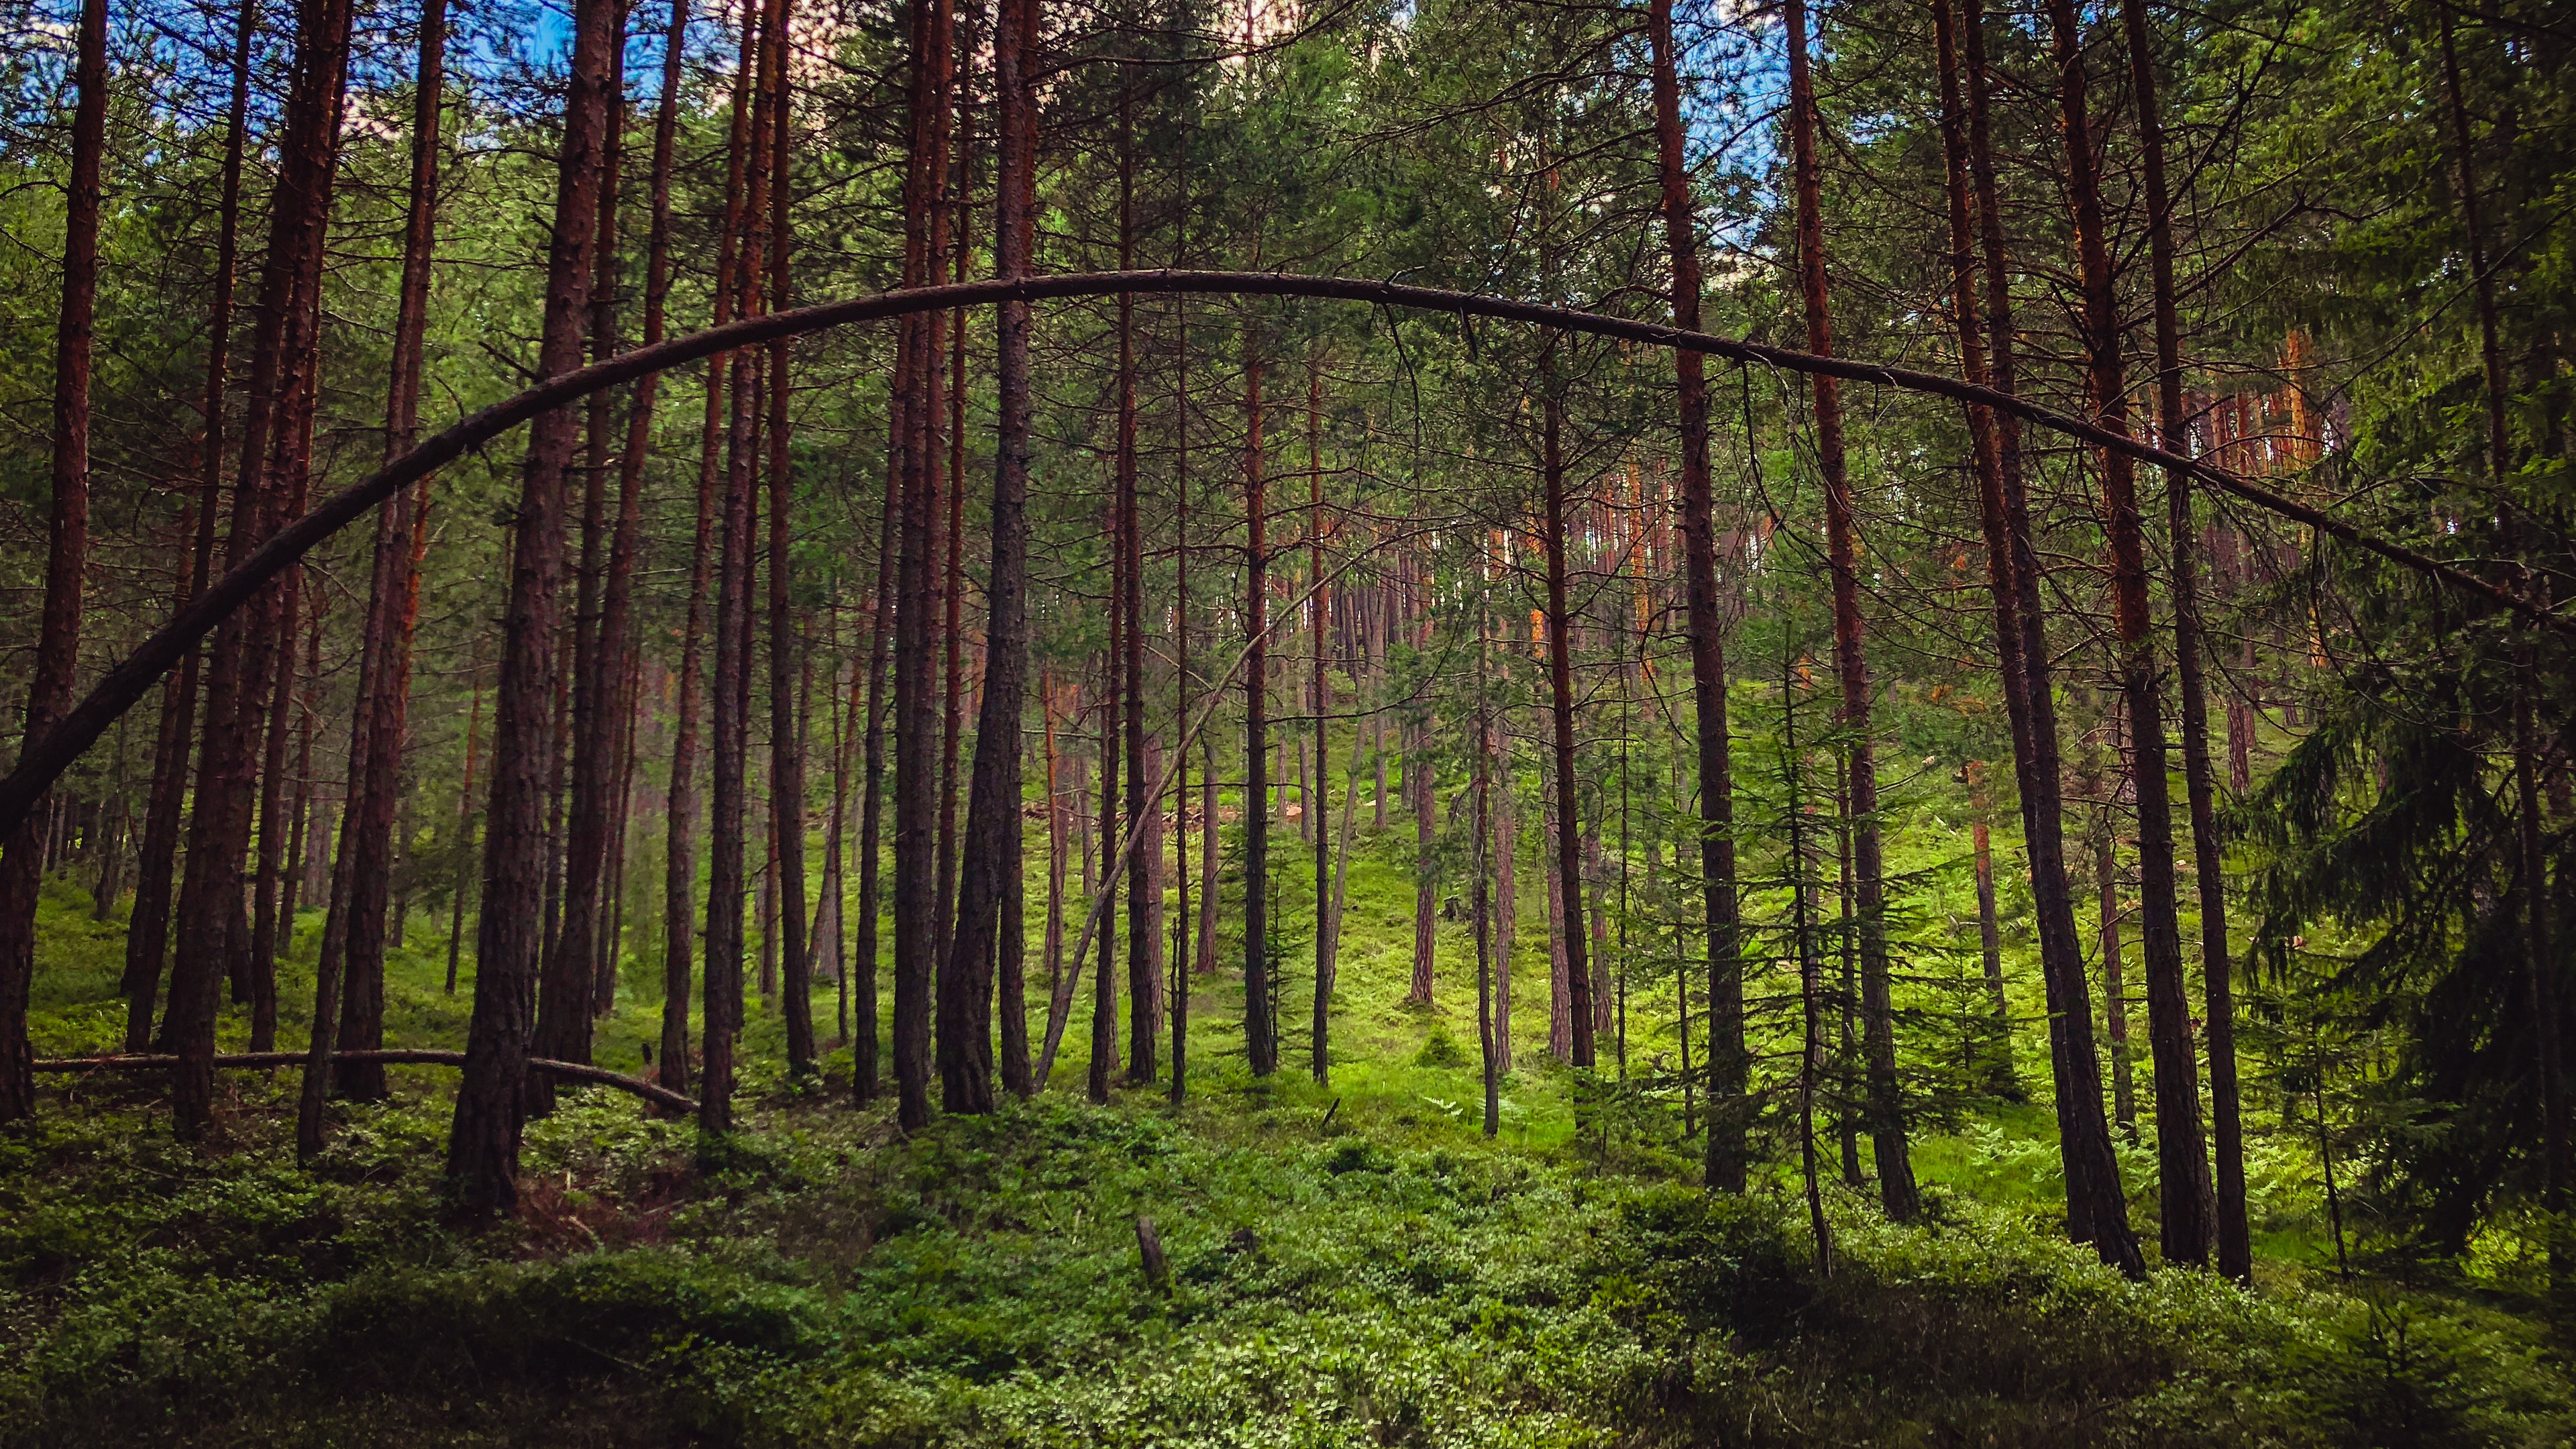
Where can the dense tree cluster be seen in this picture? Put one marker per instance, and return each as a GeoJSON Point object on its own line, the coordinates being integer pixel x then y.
{"type": "Point", "coordinates": [2154, 441]}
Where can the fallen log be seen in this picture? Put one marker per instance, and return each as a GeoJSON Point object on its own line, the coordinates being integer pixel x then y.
{"type": "Point", "coordinates": [653, 1092]}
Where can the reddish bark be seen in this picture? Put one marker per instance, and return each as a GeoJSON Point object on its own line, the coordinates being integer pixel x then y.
{"type": "Point", "coordinates": [568, 994]}
{"type": "Point", "coordinates": [1885, 1106]}
{"type": "Point", "coordinates": [2181, 1153]}
{"type": "Point", "coordinates": [916, 748]}
{"type": "Point", "coordinates": [1318, 802]}
{"type": "Point", "coordinates": [787, 745]}
{"type": "Point", "coordinates": [483, 1143]}
{"type": "Point", "coordinates": [148, 925]}
{"type": "Point", "coordinates": [988, 887]}
{"type": "Point", "coordinates": [1260, 1028]}
{"type": "Point", "coordinates": [246, 645]}
{"type": "Point", "coordinates": [2234, 1240]}
{"type": "Point", "coordinates": [1724, 1166]}
{"type": "Point", "coordinates": [49, 696]}
{"type": "Point", "coordinates": [2097, 1211]}
{"type": "Point", "coordinates": [680, 856]}
{"type": "Point", "coordinates": [1560, 682]}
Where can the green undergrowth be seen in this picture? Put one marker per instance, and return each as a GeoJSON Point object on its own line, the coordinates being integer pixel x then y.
{"type": "Point", "coordinates": [821, 1281]}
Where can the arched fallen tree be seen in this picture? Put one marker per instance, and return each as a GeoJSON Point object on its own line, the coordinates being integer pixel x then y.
{"type": "Point", "coordinates": [654, 1092]}
{"type": "Point", "coordinates": [44, 760]}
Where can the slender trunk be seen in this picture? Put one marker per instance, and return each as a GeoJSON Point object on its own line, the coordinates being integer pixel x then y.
{"type": "Point", "coordinates": [680, 853]}
{"type": "Point", "coordinates": [353, 947]}
{"type": "Point", "coordinates": [2115, 990]}
{"type": "Point", "coordinates": [2181, 1153]}
{"type": "Point", "coordinates": [1811, 1055]}
{"type": "Point", "coordinates": [1180, 975]}
{"type": "Point", "coordinates": [274, 826]}
{"type": "Point", "coordinates": [916, 747]}
{"type": "Point", "coordinates": [1104, 980]}
{"type": "Point", "coordinates": [1482, 907]}
{"type": "Point", "coordinates": [1728, 1066]}
{"type": "Point", "coordinates": [2097, 1211]}
{"type": "Point", "coordinates": [988, 890]}
{"type": "Point", "coordinates": [49, 696]}
{"type": "Point", "coordinates": [1320, 800]}
{"type": "Point", "coordinates": [148, 925]}
{"type": "Point", "coordinates": [1418, 790]}
{"type": "Point", "coordinates": [568, 999]}
{"type": "Point", "coordinates": [465, 834]}
{"type": "Point", "coordinates": [786, 740]}
{"type": "Point", "coordinates": [246, 645]}
{"type": "Point", "coordinates": [1143, 1038]}
{"type": "Point", "coordinates": [2000, 1078]}
{"type": "Point", "coordinates": [1260, 1027]}
{"type": "Point", "coordinates": [1884, 1103]}
{"type": "Point", "coordinates": [1560, 684]}
{"type": "Point", "coordinates": [1847, 999]}
{"type": "Point", "coordinates": [2234, 1240]}
{"type": "Point", "coordinates": [483, 1144]}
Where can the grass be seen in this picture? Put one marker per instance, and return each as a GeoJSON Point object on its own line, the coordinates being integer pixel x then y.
{"type": "Point", "coordinates": [1349, 1263]}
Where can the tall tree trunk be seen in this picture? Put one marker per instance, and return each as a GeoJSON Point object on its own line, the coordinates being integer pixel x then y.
{"type": "Point", "coordinates": [483, 1143]}
{"type": "Point", "coordinates": [1482, 908]}
{"type": "Point", "coordinates": [2182, 542]}
{"type": "Point", "coordinates": [992, 854]}
{"type": "Point", "coordinates": [148, 924]}
{"type": "Point", "coordinates": [1260, 1027]}
{"type": "Point", "coordinates": [2182, 1156]}
{"type": "Point", "coordinates": [680, 852]}
{"type": "Point", "coordinates": [1418, 789]}
{"type": "Point", "coordinates": [1318, 802]}
{"type": "Point", "coordinates": [352, 961]}
{"type": "Point", "coordinates": [2097, 1211]}
{"type": "Point", "coordinates": [1181, 965]}
{"type": "Point", "coordinates": [49, 695]}
{"type": "Point", "coordinates": [246, 645]}
{"type": "Point", "coordinates": [916, 744]}
{"type": "Point", "coordinates": [786, 741]}
{"type": "Point", "coordinates": [1884, 1102]}
{"type": "Point", "coordinates": [1560, 685]}
{"type": "Point", "coordinates": [1728, 1066]}
{"type": "Point", "coordinates": [568, 997]}
{"type": "Point", "coordinates": [1143, 1040]}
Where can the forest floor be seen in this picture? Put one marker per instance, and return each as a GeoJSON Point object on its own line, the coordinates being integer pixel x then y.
{"type": "Point", "coordinates": [1349, 1264]}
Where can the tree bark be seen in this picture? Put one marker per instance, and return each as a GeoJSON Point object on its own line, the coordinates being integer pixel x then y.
{"type": "Point", "coordinates": [1560, 684]}
{"type": "Point", "coordinates": [1260, 1027]}
{"type": "Point", "coordinates": [147, 935]}
{"type": "Point", "coordinates": [49, 695]}
{"type": "Point", "coordinates": [2097, 1212]}
{"type": "Point", "coordinates": [2233, 1237]}
{"type": "Point", "coordinates": [2181, 1154]}
{"type": "Point", "coordinates": [786, 740]}
{"type": "Point", "coordinates": [988, 884]}
{"type": "Point", "coordinates": [680, 852]}
{"type": "Point", "coordinates": [1318, 802]}
{"type": "Point", "coordinates": [1728, 1067]}
{"type": "Point", "coordinates": [1884, 1102]}
{"type": "Point", "coordinates": [483, 1142]}
{"type": "Point", "coordinates": [246, 646]}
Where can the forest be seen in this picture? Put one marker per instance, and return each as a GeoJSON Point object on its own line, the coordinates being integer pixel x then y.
{"type": "Point", "coordinates": [1287, 722]}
